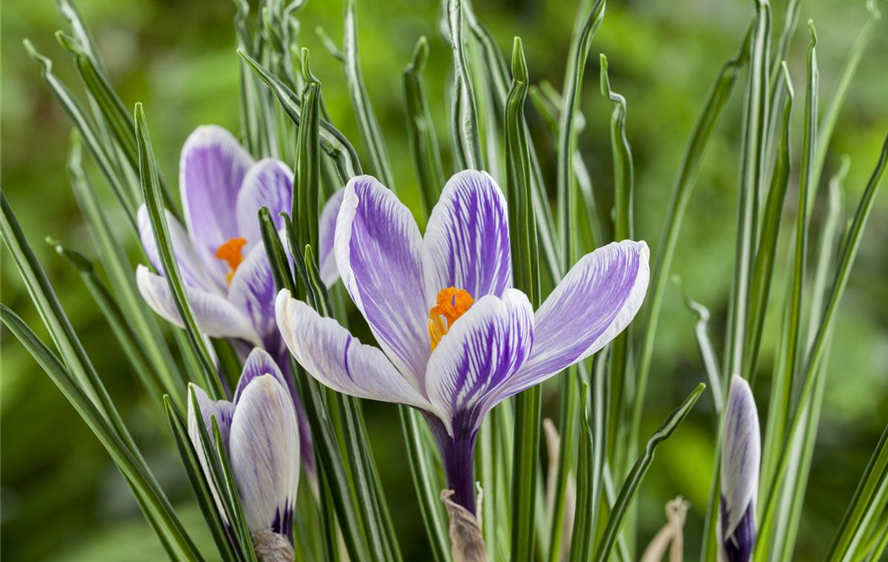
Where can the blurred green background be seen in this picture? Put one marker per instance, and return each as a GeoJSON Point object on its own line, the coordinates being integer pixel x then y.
{"type": "Point", "coordinates": [62, 499]}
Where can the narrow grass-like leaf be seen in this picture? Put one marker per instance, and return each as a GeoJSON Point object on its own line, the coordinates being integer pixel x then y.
{"type": "Point", "coordinates": [366, 489]}
{"type": "Point", "coordinates": [792, 349]}
{"type": "Point", "coordinates": [253, 125]}
{"type": "Point", "coordinates": [866, 505]}
{"type": "Point", "coordinates": [522, 231]}
{"type": "Point", "coordinates": [591, 462]}
{"type": "Point", "coordinates": [367, 121]}
{"type": "Point", "coordinates": [623, 193]}
{"type": "Point", "coordinates": [332, 469]}
{"type": "Point", "coordinates": [763, 271]}
{"type": "Point", "coordinates": [427, 161]}
{"type": "Point", "coordinates": [154, 203]}
{"type": "Point", "coordinates": [591, 218]}
{"type": "Point", "coordinates": [778, 76]}
{"type": "Point", "coordinates": [307, 181]}
{"type": "Point", "coordinates": [120, 274]}
{"type": "Point", "coordinates": [214, 456]}
{"type": "Point", "coordinates": [705, 347]}
{"type": "Point", "coordinates": [499, 77]}
{"type": "Point", "coordinates": [831, 113]}
{"type": "Point", "coordinates": [819, 343]}
{"type": "Point", "coordinates": [421, 128]}
{"type": "Point", "coordinates": [116, 319]}
{"type": "Point", "coordinates": [199, 483]}
{"type": "Point", "coordinates": [87, 130]}
{"type": "Point", "coordinates": [751, 184]}
{"type": "Point", "coordinates": [713, 108]}
{"type": "Point", "coordinates": [584, 528]}
{"type": "Point", "coordinates": [464, 118]}
{"type": "Point", "coordinates": [795, 350]}
{"type": "Point", "coordinates": [427, 486]}
{"type": "Point", "coordinates": [154, 503]}
{"type": "Point", "coordinates": [624, 171]}
{"type": "Point", "coordinates": [636, 475]}
{"type": "Point", "coordinates": [57, 323]}
{"type": "Point", "coordinates": [363, 464]}
{"type": "Point", "coordinates": [239, 521]}
{"type": "Point", "coordinates": [112, 114]}
{"type": "Point", "coordinates": [581, 42]}
{"type": "Point", "coordinates": [333, 143]}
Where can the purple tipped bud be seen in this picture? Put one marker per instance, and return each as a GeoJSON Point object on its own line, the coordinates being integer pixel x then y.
{"type": "Point", "coordinates": [741, 454]}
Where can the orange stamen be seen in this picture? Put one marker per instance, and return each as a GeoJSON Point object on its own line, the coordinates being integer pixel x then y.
{"type": "Point", "coordinates": [230, 252]}
{"type": "Point", "coordinates": [451, 304]}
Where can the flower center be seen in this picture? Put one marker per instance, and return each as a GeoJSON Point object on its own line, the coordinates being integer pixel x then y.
{"type": "Point", "coordinates": [230, 252]}
{"type": "Point", "coordinates": [451, 304]}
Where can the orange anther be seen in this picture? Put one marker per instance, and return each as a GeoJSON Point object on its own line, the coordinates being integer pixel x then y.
{"type": "Point", "coordinates": [451, 304]}
{"type": "Point", "coordinates": [230, 252]}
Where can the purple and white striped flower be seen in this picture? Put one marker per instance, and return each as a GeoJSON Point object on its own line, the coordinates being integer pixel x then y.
{"type": "Point", "coordinates": [456, 338]}
{"type": "Point", "coordinates": [221, 256]}
{"type": "Point", "coordinates": [740, 456]}
{"type": "Point", "coordinates": [260, 432]}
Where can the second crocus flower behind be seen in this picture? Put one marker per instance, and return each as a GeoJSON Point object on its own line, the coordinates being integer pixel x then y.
{"type": "Point", "coordinates": [456, 338]}
{"type": "Point", "coordinates": [740, 457]}
{"type": "Point", "coordinates": [260, 433]}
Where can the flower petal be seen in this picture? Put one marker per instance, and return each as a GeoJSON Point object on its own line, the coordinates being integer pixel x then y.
{"type": "Point", "coordinates": [258, 363]}
{"type": "Point", "coordinates": [466, 243]}
{"type": "Point", "coordinates": [264, 452]}
{"type": "Point", "coordinates": [741, 453]}
{"type": "Point", "coordinates": [594, 302]}
{"type": "Point", "coordinates": [269, 183]}
{"type": "Point", "coordinates": [190, 264]}
{"type": "Point", "coordinates": [252, 293]}
{"type": "Point", "coordinates": [223, 411]}
{"type": "Point", "coordinates": [326, 237]}
{"type": "Point", "coordinates": [338, 360]}
{"type": "Point", "coordinates": [215, 316]}
{"type": "Point", "coordinates": [211, 171]}
{"type": "Point", "coordinates": [481, 352]}
{"type": "Point", "coordinates": [377, 251]}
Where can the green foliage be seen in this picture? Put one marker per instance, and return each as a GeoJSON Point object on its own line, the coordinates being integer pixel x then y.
{"type": "Point", "coordinates": [359, 495]}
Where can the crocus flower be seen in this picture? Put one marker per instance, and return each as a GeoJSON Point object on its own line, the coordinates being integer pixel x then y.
{"type": "Point", "coordinates": [741, 452]}
{"type": "Point", "coordinates": [260, 432]}
{"type": "Point", "coordinates": [456, 339]}
{"type": "Point", "coordinates": [221, 255]}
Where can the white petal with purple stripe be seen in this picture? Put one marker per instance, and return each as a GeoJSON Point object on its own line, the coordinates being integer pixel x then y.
{"type": "Point", "coordinates": [215, 316]}
{"type": "Point", "coordinates": [211, 171]}
{"type": "Point", "coordinates": [252, 292]}
{"type": "Point", "coordinates": [222, 411]}
{"type": "Point", "coordinates": [269, 183]}
{"type": "Point", "coordinates": [594, 302]}
{"type": "Point", "coordinates": [339, 360]}
{"type": "Point", "coordinates": [741, 455]}
{"type": "Point", "coordinates": [190, 265]}
{"type": "Point", "coordinates": [466, 243]}
{"type": "Point", "coordinates": [264, 452]}
{"type": "Point", "coordinates": [327, 236]}
{"type": "Point", "coordinates": [482, 350]}
{"type": "Point", "coordinates": [258, 363]}
{"type": "Point", "coordinates": [377, 249]}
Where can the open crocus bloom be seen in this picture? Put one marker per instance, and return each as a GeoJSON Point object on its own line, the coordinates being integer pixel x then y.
{"type": "Point", "coordinates": [740, 457]}
{"type": "Point", "coordinates": [221, 256]}
{"type": "Point", "coordinates": [260, 432]}
{"type": "Point", "coordinates": [456, 338]}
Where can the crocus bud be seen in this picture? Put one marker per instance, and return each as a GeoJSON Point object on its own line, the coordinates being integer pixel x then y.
{"type": "Point", "coordinates": [740, 456]}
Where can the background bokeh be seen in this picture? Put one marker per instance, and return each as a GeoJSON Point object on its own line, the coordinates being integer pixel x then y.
{"type": "Point", "coordinates": [62, 498]}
